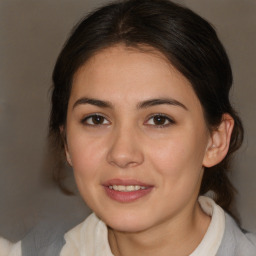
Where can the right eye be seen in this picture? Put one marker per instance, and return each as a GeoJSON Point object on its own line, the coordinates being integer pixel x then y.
{"type": "Point", "coordinates": [95, 120]}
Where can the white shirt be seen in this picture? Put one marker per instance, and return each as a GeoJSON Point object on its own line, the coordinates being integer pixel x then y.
{"type": "Point", "coordinates": [9, 249]}
{"type": "Point", "coordinates": [91, 236]}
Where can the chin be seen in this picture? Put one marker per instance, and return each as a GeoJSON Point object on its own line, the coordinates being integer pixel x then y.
{"type": "Point", "coordinates": [127, 227]}
{"type": "Point", "coordinates": [126, 222]}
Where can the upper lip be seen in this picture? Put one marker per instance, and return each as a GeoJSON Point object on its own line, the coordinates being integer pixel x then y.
{"type": "Point", "coordinates": [126, 182]}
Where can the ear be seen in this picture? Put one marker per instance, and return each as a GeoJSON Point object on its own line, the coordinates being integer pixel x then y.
{"type": "Point", "coordinates": [63, 135]}
{"type": "Point", "coordinates": [219, 142]}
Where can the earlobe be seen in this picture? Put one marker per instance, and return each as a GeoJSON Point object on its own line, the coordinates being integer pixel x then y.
{"type": "Point", "coordinates": [219, 142]}
{"type": "Point", "coordinates": [63, 135]}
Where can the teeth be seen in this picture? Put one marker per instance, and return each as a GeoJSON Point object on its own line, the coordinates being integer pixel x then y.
{"type": "Point", "coordinates": [126, 188]}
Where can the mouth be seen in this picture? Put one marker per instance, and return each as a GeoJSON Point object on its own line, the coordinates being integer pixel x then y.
{"type": "Point", "coordinates": [128, 188]}
{"type": "Point", "coordinates": [125, 191]}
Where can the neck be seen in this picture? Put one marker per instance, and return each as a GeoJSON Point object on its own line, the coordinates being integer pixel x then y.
{"type": "Point", "coordinates": [180, 236]}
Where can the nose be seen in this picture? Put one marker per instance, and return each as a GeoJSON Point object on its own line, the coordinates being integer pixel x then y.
{"type": "Point", "coordinates": [125, 149]}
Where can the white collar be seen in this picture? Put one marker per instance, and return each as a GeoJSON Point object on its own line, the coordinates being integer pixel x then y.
{"type": "Point", "coordinates": [91, 236]}
{"type": "Point", "coordinates": [213, 237]}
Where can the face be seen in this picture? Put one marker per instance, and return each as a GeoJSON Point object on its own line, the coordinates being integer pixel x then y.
{"type": "Point", "coordinates": [136, 138]}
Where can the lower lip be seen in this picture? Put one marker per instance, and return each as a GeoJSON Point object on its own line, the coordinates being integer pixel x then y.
{"type": "Point", "coordinates": [125, 197]}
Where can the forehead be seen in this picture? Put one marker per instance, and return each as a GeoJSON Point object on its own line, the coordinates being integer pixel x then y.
{"type": "Point", "coordinates": [130, 74]}
{"type": "Point", "coordinates": [125, 60]}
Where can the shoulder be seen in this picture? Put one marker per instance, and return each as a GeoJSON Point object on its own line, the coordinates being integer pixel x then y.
{"type": "Point", "coordinates": [88, 238]}
{"type": "Point", "coordinates": [236, 242]}
{"type": "Point", "coordinates": [84, 232]}
{"type": "Point", "coordinates": [47, 237]}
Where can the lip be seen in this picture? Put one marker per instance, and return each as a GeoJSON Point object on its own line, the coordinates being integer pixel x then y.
{"type": "Point", "coordinates": [125, 197]}
{"type": "Point", "coordinates": [125, 182]}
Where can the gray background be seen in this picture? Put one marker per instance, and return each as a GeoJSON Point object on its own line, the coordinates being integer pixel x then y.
{"type": "Point", "coordinates": [31, 36]}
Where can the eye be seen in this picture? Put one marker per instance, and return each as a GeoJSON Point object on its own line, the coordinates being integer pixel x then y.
{"type": "Point", "coordinates": [95, 120]}
{"type": "Point", "coordinates": [160, 120]}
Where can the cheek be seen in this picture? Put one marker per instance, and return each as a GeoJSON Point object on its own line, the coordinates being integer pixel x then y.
{"type": "Point", "coordinates": [86, 156]}
{"type": "Point", "coordinates": [179, 168]}
{"type": "Point", "coordinates": [86, 161]}
{"type": "Point", "coordinates": [179, 156]}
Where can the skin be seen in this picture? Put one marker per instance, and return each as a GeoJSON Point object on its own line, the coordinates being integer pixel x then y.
{"type": "Point", "coordinates": [126, 142]}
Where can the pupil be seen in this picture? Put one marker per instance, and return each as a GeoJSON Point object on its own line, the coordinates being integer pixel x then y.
{"type": "Point", "coordinates": [97, 119]}
{"type": "Point", "coordinates": [159, 120]}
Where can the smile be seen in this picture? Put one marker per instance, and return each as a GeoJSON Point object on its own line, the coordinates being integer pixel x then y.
{"type": "Point", "coordinates": [125, 191]}
{"type": "Point", "coordinates": [128, 188]}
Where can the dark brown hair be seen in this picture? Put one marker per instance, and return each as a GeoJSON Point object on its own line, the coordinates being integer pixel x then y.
{"type": "Point", "coordinates": [190, 44]}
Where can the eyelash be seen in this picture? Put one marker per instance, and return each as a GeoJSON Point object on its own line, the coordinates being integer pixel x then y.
{"type": "Point", "coordinates": [84, 121]}
{"type": "Point", "coordinates": [166, 118]}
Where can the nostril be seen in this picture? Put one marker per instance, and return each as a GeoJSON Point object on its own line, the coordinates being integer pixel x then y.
{"type": "Point", "coordinates": [124, 161]}
{"type": "Point", "coordinates": [125, 156]}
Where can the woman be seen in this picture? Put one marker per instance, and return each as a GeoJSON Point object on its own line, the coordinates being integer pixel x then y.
{"type": "Point", "coordinates": [140, 105]}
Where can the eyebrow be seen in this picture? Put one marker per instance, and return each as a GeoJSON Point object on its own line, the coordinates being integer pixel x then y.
{"type": "Point", "coordinates": [140, 105]}
{"type": "Point", "coordinates": [160, 101]}
{"type": "Point", "coordinates": [94, 102]}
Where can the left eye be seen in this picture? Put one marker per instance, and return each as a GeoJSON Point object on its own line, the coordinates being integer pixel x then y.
{"type": "Point", "coordinates": [95, 120]}
{"type": "Point", "coordinates": [159, 120]}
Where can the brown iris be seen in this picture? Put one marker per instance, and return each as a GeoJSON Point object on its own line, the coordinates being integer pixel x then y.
{"type": "Point", "coordinates": [159, 120]}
